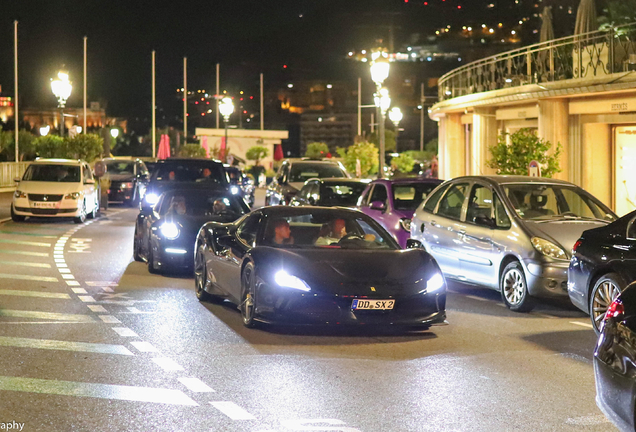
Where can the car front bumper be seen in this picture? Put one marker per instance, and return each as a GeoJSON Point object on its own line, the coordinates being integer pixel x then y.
{"type": "Point", "coordinates": [547, 279]}
{"type": "Point", "coordinates": [62, 208]}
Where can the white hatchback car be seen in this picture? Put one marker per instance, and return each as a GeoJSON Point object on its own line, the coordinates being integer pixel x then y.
{"type": "Point", "coordinates": [56, 188]}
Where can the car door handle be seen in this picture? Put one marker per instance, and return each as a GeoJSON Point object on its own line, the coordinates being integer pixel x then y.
{"type": "Point", "coordinates": [434, 224]}
{"type": "Point", "coordinates": [422, 228]}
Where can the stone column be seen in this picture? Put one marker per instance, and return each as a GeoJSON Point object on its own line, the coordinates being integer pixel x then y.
{"type": "Point", "coordinates": [554, 127]}
{"type": "Point", "coordinates": [484, 136]}
{"type": "Point", "coordinates": [451, 146]}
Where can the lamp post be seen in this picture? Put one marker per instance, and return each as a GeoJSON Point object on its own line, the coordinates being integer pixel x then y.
{"type": "Point", "coordinates": [61, 88]}
{"type": "Point", "coordinates": [395, 115]}
{"type": "Point", "coordinates": [226, 108]}
{"type": "Point", "coordinates": [379, 73]}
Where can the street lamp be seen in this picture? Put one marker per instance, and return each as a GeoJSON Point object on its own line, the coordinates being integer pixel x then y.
{"type": "Point", "coordinates": [226, 108]}
{"type": "Point", "coordinates": [379, 73]}
{"type": "Point", "coordinates": [61, 88]}
{"type": "Point", "coordinates": [395, 115]}
{"type": "Point", "coordinates": [44, 130]}
{"type": "Point", "coordinates": [114, 132]}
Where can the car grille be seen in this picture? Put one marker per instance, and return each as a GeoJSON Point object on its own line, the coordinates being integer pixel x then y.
{"type": "Point", "coordinates": [43, 197]}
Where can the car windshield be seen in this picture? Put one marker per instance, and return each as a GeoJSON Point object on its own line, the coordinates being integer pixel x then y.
{"type": "Point", "coordinates": [117, 167]}
{"type": "Point", "coordinates": [190, 172]}
{"type": "Point", "coordinates": [329, 228]}
{"type": "Point", "coordinates": [538, 201]}
{"type": "Point", "coordinates": [202, 203]}
{"type": "Point", "coordinates": [53, 173]}
{"type": "Point", "coordinates": [301, 172]}
{"type": "Point", "coordinates": [341, 194]}
{"type": "Point", "coordinates": [407, 196]}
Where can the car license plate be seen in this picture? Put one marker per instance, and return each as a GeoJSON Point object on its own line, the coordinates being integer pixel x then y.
{"type": "Point", "coordinates": [360, 304]}
{"type": "Point", "coordinates": [44, 204]}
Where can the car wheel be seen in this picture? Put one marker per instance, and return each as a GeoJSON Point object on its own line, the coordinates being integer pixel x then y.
{"type": "Point", "coordinates": [153, 266]}
{"type": "Point", "coordinates": [514, 288]}
{"type": "Point", "coordinates": [248, 298]}
{"type": "Point", "coordinates": [93, 213]}
{"type": "Point", "coordinates": [15, 217]}
{"type": "Point", "coordinates": [82, 216]}
{"type": "Point", "coordinates": [605, 291]}
{"type": "Point", "coordinates": [136, 247]}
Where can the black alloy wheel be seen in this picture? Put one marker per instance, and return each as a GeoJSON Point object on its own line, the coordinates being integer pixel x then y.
{"type": "Point", "coordinates": [82, 216]}
{"type": "Point", "coordinates": [200, 276]}
{"type": "Point", "coordinates": [137, 246]}
{"type": "Point", "coordinates": [605, 291]}
{"type": "Point", "coordinates": [514, 288]}
{"type": "Point", "coordinates": [153, 266]}
{"type": "Point", "coordinates": [248, 298]}
{"type": "Point", "coordinates": [15, 217]}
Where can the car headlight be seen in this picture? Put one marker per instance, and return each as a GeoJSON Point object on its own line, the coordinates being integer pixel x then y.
{"type": "Point", "coordinates": [169, 230]}
{"type": "Point", "coordinates": [19, 194]}
{"type": "Point", "coordinates": [151, 198]}
{"type": "Point", "coordinates": [435, 283]}
{"type": "Point", "coordinates": [73, 195]}
{"type": "Point", "coordinates": [548, 248]}
{"type": "Point", "coordinates": [405, 223]}
{"type": "Point", "coordinates": [234, 190]}
{"type": "Point", "coordinates": [284, 279]}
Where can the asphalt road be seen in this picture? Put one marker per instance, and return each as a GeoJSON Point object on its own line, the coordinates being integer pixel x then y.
{"type": "Point", "coordinates": [90, 341]}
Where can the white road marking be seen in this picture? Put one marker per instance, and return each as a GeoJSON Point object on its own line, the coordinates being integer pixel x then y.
{"type": "Point", "coordinates": [26, 264]}
{"type": "Point", "coordinates": [109, 319]}
{"type": "Point", "coordinates": [232, 410]}
{"type": "Point", "coordinates": [64, 270]}
{"type": "Point", "coordinates": [59, 260]}
{"type": "Point", "coordinates": [68, 276]}
{"type": "Point", "coordinates": [134, 310]}
{"type": "Point", "coordinates": [501, 304]}
{"type": "Point", "coordinates": [124, 332]}
{"type": "Point", "coordinates": [56, 316]}
{"type": "Point", "coordinates": [28, 277]}
{"type": "Point", "coordinates": [79, 290]}
{"type": "Point", "coordinates": [61, 265]}
{"type": "Point", "coordinates": [118, 295]}
{"type": "Point", "coordinates": [99, 283]}
{"type": "Point", "coordinates": [102, 391]}
{"type": "Point", "coordinates": [195, 385]}
{"type": "Point", "coordinates": [107, 289]}
{"type": "Point", "coordinates": [14, 252]}
{"type": "Point", "coordinates": [25, 243]}
{"type": "Point", "coordinates": [542, 315]}
{"type": "Point", "coordinates": [476, 298]}
{"type": "Point", "coordinates": [87, 299]}
{"type": "Point", "coordinates": [41, 294]}
{"type": "Point", "coordinates": [144, 346]}
{"type": "Point", "coordinates": [72, 283]}
{"type": "Point", "coordinates": [588, 325]}
{"type": "Point", "coordinates": [590, 420]}
{"type": "Point", "coordinates": [64, 345]}
{"type": "Point", "coordinates": [167, 364]}
{"type": "Point", "coordinates": [97, 308]}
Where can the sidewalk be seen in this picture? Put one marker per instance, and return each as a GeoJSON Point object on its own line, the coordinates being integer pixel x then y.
{"type": "Point", "coordinates": [5, 204]}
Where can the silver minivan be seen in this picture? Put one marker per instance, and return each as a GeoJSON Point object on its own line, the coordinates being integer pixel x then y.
{"type": "Point", "coordinates": [513, 234]}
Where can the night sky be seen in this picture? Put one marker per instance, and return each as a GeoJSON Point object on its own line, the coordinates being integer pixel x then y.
{"type": "Point", "coordinates": [247, 37]}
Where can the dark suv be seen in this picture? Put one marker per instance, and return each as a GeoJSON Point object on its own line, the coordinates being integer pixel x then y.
{"type": "Point", "coordinates": [128, 179]}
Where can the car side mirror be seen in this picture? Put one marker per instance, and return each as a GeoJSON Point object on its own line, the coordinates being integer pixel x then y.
{"type": "Point", "coordinates": [17, 179]}
{"type": "Point", "coordinates": [414, 244]}
{"type": "Point", "coordinates": [378, 205]}
{"type": "Point", "coordinates": [485, 221]}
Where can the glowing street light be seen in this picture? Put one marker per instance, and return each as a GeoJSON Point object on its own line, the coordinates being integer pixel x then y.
{"type": "Point", "coordinates": [395, 115]}
{"type": "Point", "coordinates": [226, 108]}
{"type": "Point", "coordinates": [61, 88]}
{"type": "Point", "coordinates": [379, 73]}
{"type": "Point", "coordinates": [114, 132]}
{"type": "Point", "coordinates": [44, 130]}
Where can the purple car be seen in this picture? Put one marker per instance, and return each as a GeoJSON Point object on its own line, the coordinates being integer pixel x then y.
{"type": "Point", "coordinates": [392, 203]}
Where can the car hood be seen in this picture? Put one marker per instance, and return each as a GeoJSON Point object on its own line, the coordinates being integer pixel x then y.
{"type": "Point", "coordinates": [334, 268]}
{"type": "Point", "coordinates": [53, 188]}
{"type": "Point", "coordinates": [564, 232]}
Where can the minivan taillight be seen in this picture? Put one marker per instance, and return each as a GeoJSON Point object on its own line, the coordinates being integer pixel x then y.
{"type": "Point", "coordinates": [615, 310]}
{"type": "Point", "coordinates": [576, 245]}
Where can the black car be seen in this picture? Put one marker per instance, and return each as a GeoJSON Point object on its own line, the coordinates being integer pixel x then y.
{"type": "Point", "coordinates": [128, 179]}
{"type": "Point", "coordinates": [317, 265]}
{"type": "Point", "coordinates": [165, 237]}
{"type": "Point", "coordinates": [241, 184]}
{"type": "Point", "coordinates": [331, 192]}
{"type": "Point", "coordinates": [614, 360]}
{"type": "Point", "coordinates": [179, 173]}
{"type": "Point", "coordinates": [293, 174]}
{"type": "Point", "coordinates": [603, 263]}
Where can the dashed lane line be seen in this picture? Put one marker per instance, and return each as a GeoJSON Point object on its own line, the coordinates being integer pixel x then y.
{"type": "Point", "coordinates": [195, 385]}
{"type": "Point", "coordinates": [97, 308]}
{"type": "Point", "coordinates": [124, 332]}
{"type": "Point", "coordinates": [25, 243]}
{"type": "Point", "coordinates": [143, 346]}
{"type": "Point", "coordinates": [167, 364]}
{"type": "Point", "coordinates": [14, 252]}
{"type": "Point", "coordinates": [102, 391]}
{"type": "Point", "coordinates": [64, 345]}
{"type": "Point", "coordinates": [79, 291]}
{"type": "Point", "coordinates": [41, 294]}
{"type": "Point", "coordinates": [109, 319]}
{"type": "Point", "coordinates": [28, 277]}
{"type": "Point", "coordinates": [24, 233]}
{"type": "Point", "coordinates": [26, 264]}
{"type": "Point", "coordinates": [55, 316]}
{"type": "Point", "coordinates": [86, 298]}
{"type": "Point", "coordinates": [232, 410]}
{"type": "Point", "coordinates": [587, 325]}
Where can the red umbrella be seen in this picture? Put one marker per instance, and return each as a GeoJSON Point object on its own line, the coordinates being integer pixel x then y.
{"type": "Point", "coordinates": [164, 147]}
{"type": "Point", "coordinates": [278, 152]}
{"type": "Point", "coordinates": [204, 144]}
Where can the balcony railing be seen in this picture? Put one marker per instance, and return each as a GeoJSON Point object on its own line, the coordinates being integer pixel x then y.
{"type": "Point", "coordinates": [590, 55]}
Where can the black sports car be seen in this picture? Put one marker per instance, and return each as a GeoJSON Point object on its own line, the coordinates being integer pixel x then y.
{"type": "Point", "coordinates": [317, 265]}
{"type": "Point", "coordinates": [602, 265]}
{"type": "Point", "coordinates": [615, 360]}
{"type": "Point", "coordinates": [165, 237]}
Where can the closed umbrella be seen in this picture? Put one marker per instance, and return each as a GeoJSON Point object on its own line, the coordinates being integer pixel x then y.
{"type": "Point", "coordinates": [586, 18]}
{"type": "Point", "coordinates": [547, 29]}
{"type": "Point", "coordinates": [164, 147]}
{"type": "Point", "coordinates": [204, 144]}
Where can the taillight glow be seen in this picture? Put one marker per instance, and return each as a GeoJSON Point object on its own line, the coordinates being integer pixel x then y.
{"type": "Point", "coordinates": [576, 245]}
{"type": "Point", "coordinates": [615, 310]}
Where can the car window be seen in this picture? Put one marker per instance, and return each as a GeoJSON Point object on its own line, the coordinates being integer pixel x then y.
{"type": "Point", "coordinates": [379, 194]}
{"type": "Point", "coordinates": [451, 205]}
{"type": "Point", "coordinates": [248, 230]}
{"type": "Point", "coordinates": [213, 204]}
{"type": "Point", "coordinates": [88, 173]}
{"type": "Point", "coordinates": [346, 195]}
{"type": "Point", "coordinates": [431, 203]}
{"type": "Point", "coordinates": [301, 172]}
{"type": "Point", "coordinates": [304, 191]}
{"type": "Point", "coordinates": [121, 167]}
{"type": "Point", "coordinates": [501, 217]}
{"type": "Point", "coordinates": [191, 171]}
{"type": "Point", "coordinates": [407, 196]}
{"type": "Point", "coordinates": [479, 204]}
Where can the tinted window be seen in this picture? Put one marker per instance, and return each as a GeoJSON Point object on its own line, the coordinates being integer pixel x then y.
{"type": "Point", "coordinates": [301, 172]}
{"type": "Point", "coordinates": [631, 229]}
{"type": "Point", "coordinates": [407, 196]}
{"type": "Point", "coordinates": [53, 173]}
{"type": "Point", "coordinates": [190, 171]}
{"type": "Point", "coordinates": [304, 192]}
{"type": "Point", "coordinates": [451, 205]}
{"type": "Point", "coordinates": [345, 194]}
{"type": "Point", "coordinates": [120, 167]}
{"type": "Point", "coordinates": [203, 203]}
{"type": "Point", "coordinates": [249, 229]}
{"type": "Point", "coordinates": [378, 194]}
{"type": "Point", "coordinates": [479, 204]}
{"type": "Point", "coordinates": [434, 199]}
{"type": "Point", "coordinates": [88, 174]}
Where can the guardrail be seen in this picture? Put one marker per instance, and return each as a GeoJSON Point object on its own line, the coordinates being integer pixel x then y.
{"type": "Point", "coordinates": [589, 55]}
{"type": "Point", "coordinates": [11, 170]}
